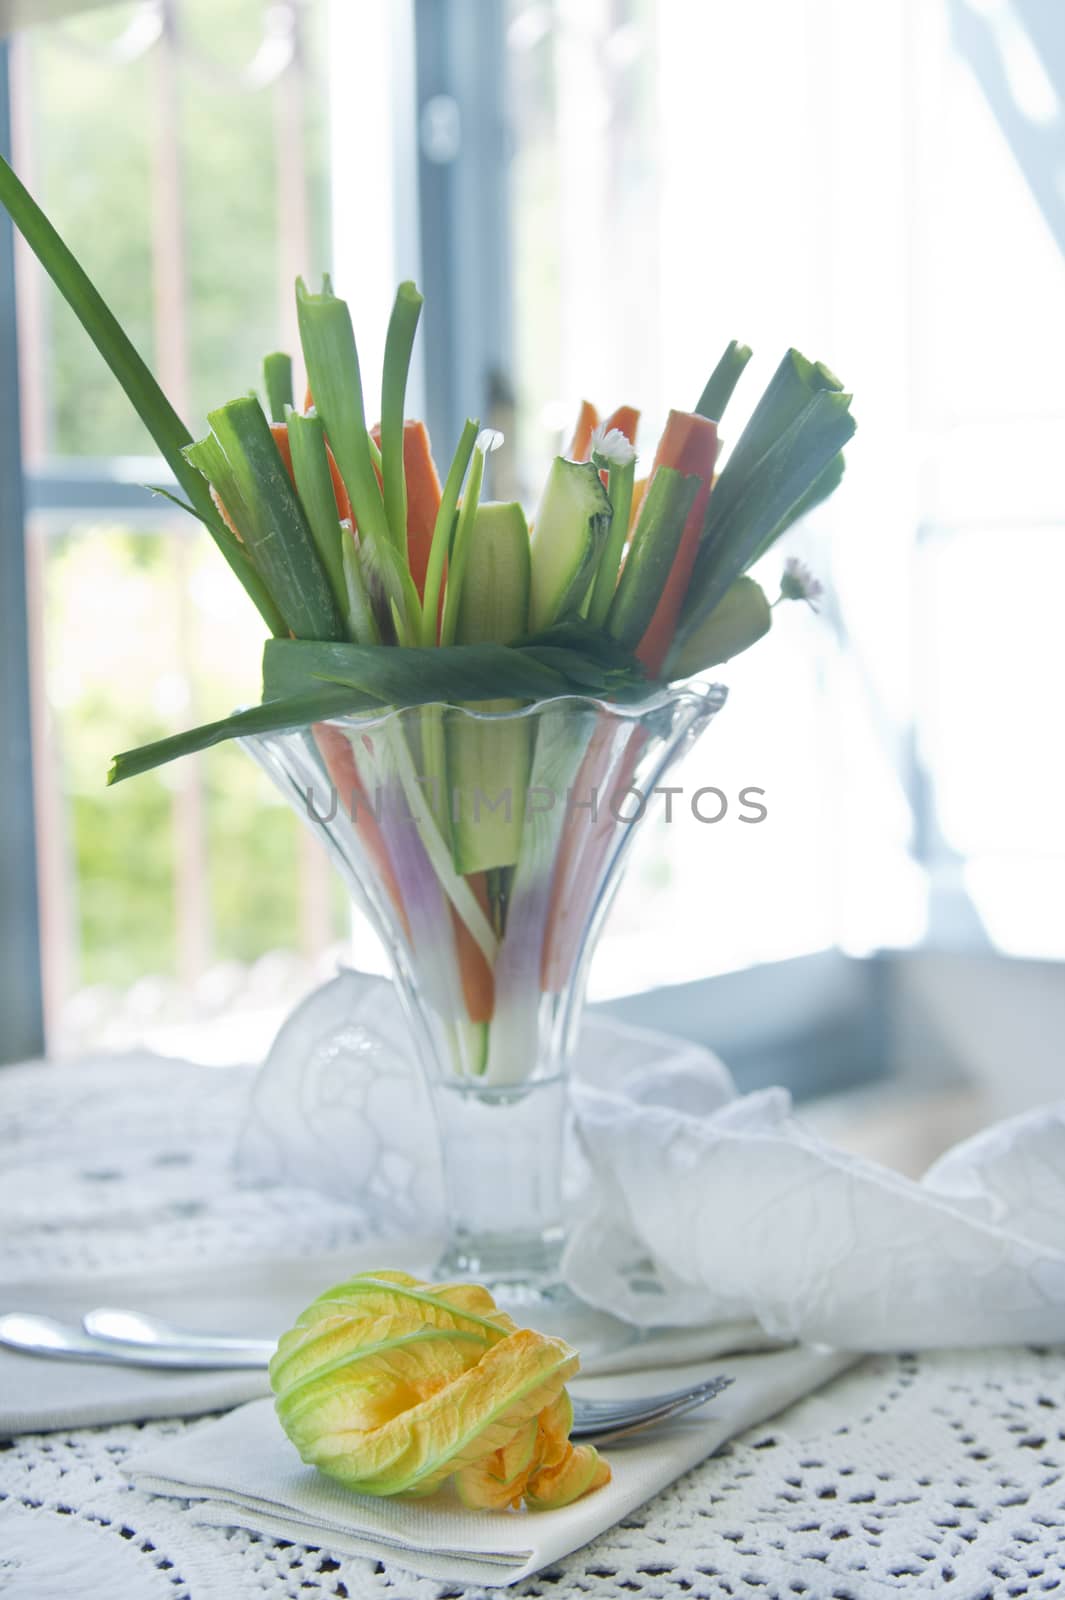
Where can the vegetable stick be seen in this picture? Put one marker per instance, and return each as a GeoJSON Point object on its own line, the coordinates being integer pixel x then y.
{"type": "Point", "coordinates": [688, 444]}
{"type": "Point", "coordinates": [399, 343]}
{"type": "Point", "coordinates": [302, 447]}
{"type": "Point", "coordinates": [606, 774]}
{"type": "Point", "coordinates": [436, 566]}
{"type": "Point", "coordinates": [478, 984]}
{"type": "Point", "coordinates": [277, 382]}
{"type": "Point", "coordinates": [273, 527]}
{"type": "Point", "coordinates": [280, 433]}
{"type": "Point", "coordinates": [626, 419]}
{"type": "Point", "coordinates": [423, 497]}
{"type": "Point", "coordinates": [335, 750]}
{"type": "Point", "coordinates": [587, 422]}
{"type": "Point", "coordinates": [723, 380]}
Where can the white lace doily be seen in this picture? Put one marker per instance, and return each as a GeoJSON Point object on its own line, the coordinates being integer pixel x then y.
{"type": "Point", "coordinates": [937, 1474]}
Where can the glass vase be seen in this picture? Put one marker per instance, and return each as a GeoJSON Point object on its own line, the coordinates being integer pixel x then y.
{"type": "Point", "coordinates": [485, 847]}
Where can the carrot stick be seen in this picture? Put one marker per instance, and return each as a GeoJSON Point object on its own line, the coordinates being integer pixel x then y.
{"type": "Point", "coordinates": [478, 982]}
{"type": "Point", "coordinates": [339, 762]}
{"type": "Point", "coordinates": [689, 444]}
{"type": "Point", "coordinates": [280, 433]}
{"type": "Point", "coordinates": [423, 497]}
{"type": "Point", "coordinates": [587, 422]}
{"type": "Point", "coordinates": [606, 773]}
{"type": "Point", "coordinates": [626, 419]}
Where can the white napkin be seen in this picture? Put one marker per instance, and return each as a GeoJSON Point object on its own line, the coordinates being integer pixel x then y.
{"type": "Point", "coordinates": [701, 1206]}
{"type": "Point", "coordinates": [262, 1299]}
{"type": "Point", "coordinates": [242, 1472]}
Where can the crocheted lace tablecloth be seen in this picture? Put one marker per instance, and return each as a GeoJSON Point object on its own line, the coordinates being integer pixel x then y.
{"type": "Point", "coordinates": [937, 1473]}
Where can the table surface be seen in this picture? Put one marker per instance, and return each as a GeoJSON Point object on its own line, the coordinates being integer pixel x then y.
{"type": "Point", "coordinates": [938, 1473]}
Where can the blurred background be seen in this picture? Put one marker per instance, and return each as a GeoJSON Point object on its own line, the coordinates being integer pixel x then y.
{"type": "Point", "coordinates": [595, 196]}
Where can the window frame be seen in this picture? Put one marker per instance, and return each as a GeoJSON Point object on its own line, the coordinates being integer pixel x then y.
{"type": "Point", "coordinates": [21, 1000]}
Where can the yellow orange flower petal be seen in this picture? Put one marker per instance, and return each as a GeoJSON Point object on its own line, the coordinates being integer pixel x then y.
{"type": "Point", "coordinates": [394, 1386]}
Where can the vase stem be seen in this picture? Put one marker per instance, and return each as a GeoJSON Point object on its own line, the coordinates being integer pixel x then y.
{"type": "Point", "coordinates": [502, 1160]}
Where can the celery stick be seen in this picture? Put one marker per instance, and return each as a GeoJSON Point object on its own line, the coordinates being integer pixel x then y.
{"type": "Point", "coordinates": [442, 528]}
{"type": "Point", "coordinates": [619, 488]}
{"type": "Point", "coordinates": [336, 383]}
{"type": "Point", "coordinates": [722, 381]}
{"type": "Point", "coordinates": [314, 484]}
{"type": "Point", "coordinates": [488, 762]}
{"type": "Point", "coordinates": [277, 382]}
{"type": "Point", "coordinates": [278, 538]}
{"type": "Point", "coordinates": [399, 342]}
{"type": "Point", "coordinates": [664, 511]}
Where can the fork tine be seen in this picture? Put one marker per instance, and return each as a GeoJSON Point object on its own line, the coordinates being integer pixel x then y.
{"type": "Point", "coordinates": [636, 1415]}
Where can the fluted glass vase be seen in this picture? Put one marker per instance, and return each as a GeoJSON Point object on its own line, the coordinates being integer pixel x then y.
{"type": "Point", "coordinates": [485, 847]}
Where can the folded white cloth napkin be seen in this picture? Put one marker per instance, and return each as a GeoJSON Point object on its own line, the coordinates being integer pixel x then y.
{"type": "Point", "coordinates": [39, 1394]}
{"type": "Point", "coordinates": [242, 1472]}
{"type": "Point", "coordinates": [701, 1206]}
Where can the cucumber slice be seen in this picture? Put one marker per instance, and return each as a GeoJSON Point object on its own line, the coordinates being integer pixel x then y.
{"type": "Point", "coordinates": [664, 511]}
{"type": "Point", "coordinates": [570, 527]}
{"type": "Point", "coordinates": [494, 607]}
{"type": "Point", "coordinates": [488, 762]}
{"type": "Point", "coordinates": [738, 620]}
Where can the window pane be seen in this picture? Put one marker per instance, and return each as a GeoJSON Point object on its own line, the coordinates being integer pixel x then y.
{"type": "Point", "coordinates": [189, 173]}
{"type": "Point", "coordinates": [169, 880]}
{"type": "Point", "coordinates": [166, 166]}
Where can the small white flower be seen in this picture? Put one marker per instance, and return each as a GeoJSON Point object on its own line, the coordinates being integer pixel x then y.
{"type": "Point", "coordinates": [798, 583]}
{"type": "Point", "coordinates": [612, 447]}
{"type": "Point", "coordinates": [487, 440]}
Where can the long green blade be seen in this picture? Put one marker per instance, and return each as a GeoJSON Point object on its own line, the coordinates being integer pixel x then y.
{"type": "Point", "coordinates": [723, 380]}
{"type": "Point", "coordinates": [456, 573]}
{"type": "Point", "coordinates": [768, 501]}
{"type": "Point", "coordinates": [790, 390]}
{"type": "Point", "coordinates": [399, 342]}
{"type": "Point", "coordinates": [294, 712]}
{"type": "Point", "coordinates": [314, 485]}
{"type": "Point", "coordinates": [278, 538]}
{"type": "Point", "coordinates": [305, 681]}
{"type": "Point", "coordinates": [336, 383]}
{"type": "Point", "coordinates": [445, 518]}
{"type": "Point", "coordinates": [414, 676]}
{"type": "Point", "coordinates": [277, 381]}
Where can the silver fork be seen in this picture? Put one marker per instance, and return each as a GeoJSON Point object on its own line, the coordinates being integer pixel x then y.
{"type": "Point", "coordinates": [129, 1338]}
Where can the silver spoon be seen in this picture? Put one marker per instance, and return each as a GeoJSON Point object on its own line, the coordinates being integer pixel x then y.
{"type": "Point", "coordinates": [146, 1342]}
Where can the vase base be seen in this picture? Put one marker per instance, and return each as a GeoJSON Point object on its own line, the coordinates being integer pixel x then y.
{"type": "Point", "coordinates": [532, 1291]}
{"type": "Point", "coordinates": [518, 1271]}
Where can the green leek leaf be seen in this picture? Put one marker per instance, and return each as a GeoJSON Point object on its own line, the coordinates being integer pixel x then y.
{"type": "Point", "coordinates": [275, 529]}
{"type": "Point", "coordinates": [722, 381]}
{"type": "Point", "coordinates": [277, 382]}
{"type": "Point", "coordinates": [399, 342]}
